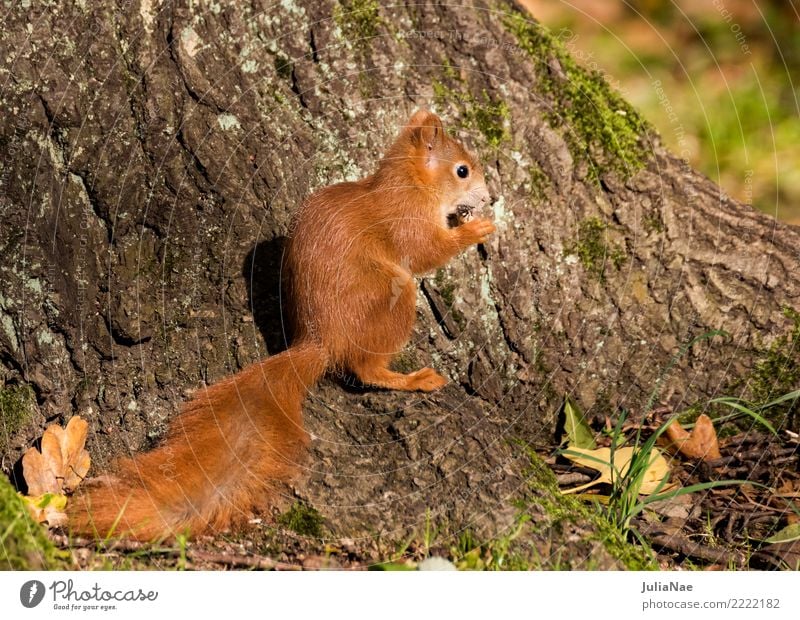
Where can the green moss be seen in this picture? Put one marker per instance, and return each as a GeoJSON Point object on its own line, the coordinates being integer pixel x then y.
{"type": "Point", "coordinates": [448, 70]}
{"type": "Point", "coordinates": [447, 291]}
{"type": "Point", "coordinates": [653, 224]}
{"type": "Point", "coordinates": [539, 182]}
{"type": "Point", "coordinates": [600, 126]}
{"type": "Point", "coordinates": [489, 116]}
{"type": "Point", "coordinates": [777, 372]}
{"type": "Point", "coordinates": [541, 511]}
{"type": "Point", "coordinates": [16, 408]}
{"type": "Point", "coordinates": [544, 511]}
{"type": "Point", "coordinates": [23, 543]}
{"type": "Point", "coordinates": [565, 511]}
{"type": "Point", "coordinates": [593, 249]}
{"type": "Point", "coordinates": [484, 114]}
{"type": "Point", "coordinates": [501, 553]}
{"type": "Point", "coordinates": [359, 20]}
{"type": "Point", "coordinates": [691, 413]}
{"type": "Point", "coordinates": [283, 66]}
{"type": "Point", "coordinates": [406, 362]}
{"type": "Point", "coordinates": [302, 519]}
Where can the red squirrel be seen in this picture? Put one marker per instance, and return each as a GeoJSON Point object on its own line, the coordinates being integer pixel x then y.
{"type": "Point", "coordinates": [351, 255]}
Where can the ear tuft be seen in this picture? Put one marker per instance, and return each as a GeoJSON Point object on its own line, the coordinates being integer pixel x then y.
{"type": "Point", "coordinates": [426, 129]}
{"type": "Point", "coordinates": [418, 118]}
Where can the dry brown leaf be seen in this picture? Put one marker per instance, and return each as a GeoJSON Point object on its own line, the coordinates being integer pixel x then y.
{"type": "Point", "coordinates": [782, 556]}
{"type": "Point", "coordinates": [76, 458]}
{"type": "Point", "coordinates": [63, 462]}
{"type": "Point", "coordinates": [39, 476]}
{"type": "Point", "coordinates": [77, 471]}
{"type": "Point", "coordinates": [701, 443]}
{"type": "Point", "coordinates": [786, 494]}
{"type": "Point", "coordinates": [678, 508]}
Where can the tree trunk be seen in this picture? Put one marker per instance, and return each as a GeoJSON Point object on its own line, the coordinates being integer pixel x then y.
{"type": "Point", "coordinates": [153, 154]}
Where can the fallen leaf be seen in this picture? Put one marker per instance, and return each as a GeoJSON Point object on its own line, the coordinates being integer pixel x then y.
{"type": "Point", "coordinates": [788, 534]}
{"type": "Point", "coordinates": [62, 463]}
{"type": "Point", "coordinates": [702, 443]}
{"type": "Point", "coordinates": [785, 496]}
{"type": "Point", "coordinates": [678, 508]}
{"type": "Point", "coordinates": [76, 458]}
{"type": "Point", "coordinates": [654, 478]}
{"type": "Point", "coordinates": [392, 566]}
{"type": "Point", "coordinates": [39, 474]}
{"type": "Point", "coordinates": [577, 431]}
{"type": "Point", "coordinates": [47, 508]}
{"type": "Point", "coordinates": [790, 487]}
{"type": "Point", "coordinates": [782, 555]}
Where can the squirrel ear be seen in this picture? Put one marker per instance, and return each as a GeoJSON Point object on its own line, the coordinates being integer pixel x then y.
{"type": "Point", "coordinates": [426, 130]}
{"type": "Point", "coordinates": [418, 118]}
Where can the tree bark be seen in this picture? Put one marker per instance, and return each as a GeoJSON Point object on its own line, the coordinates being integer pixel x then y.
{"type": "Point", "coordinates": [152, 156]}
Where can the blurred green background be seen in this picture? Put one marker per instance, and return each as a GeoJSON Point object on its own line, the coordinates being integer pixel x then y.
{"type": "Point", "coordinates": [717, 78]}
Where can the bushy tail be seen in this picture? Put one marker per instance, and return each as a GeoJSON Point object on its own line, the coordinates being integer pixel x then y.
{"type": "Point", "coordinates": [221, 458]}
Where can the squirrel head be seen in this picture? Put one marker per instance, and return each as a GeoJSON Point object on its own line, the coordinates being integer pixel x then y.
{"type": "Point", "coordinates": [442, 165]}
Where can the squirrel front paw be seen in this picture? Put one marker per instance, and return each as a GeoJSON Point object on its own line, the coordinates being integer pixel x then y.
{"type": "Point", "coordinates": [475, 231]}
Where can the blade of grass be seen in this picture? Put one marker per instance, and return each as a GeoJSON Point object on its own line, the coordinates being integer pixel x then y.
{"type": "Point", "coordinates": [703, 486]}
{"type": "Point", "coordinates": [742, 409]}
{"type": "Point", "coordinates": [790, 396]}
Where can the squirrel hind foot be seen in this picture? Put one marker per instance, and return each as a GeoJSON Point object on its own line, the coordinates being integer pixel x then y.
{"type": "Point", "coordinates": [426, 380]}
{"type": "Point", "coordinates": [423, 380]}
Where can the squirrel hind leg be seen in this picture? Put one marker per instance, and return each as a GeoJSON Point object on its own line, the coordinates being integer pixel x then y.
{"type": "Point", "coordinates": [374, 372]}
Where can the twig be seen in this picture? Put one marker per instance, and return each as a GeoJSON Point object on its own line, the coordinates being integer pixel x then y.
{"type": "Point", "coordinates": [128, 546]}
{"type": "Point", "coordinates": [564, 480]}
{"type": "Point", "coordinates": [239, 561]}
{"type": "Point", "coordinates": [695, 550]}
{"type": "Point", "coordinates": [755, 503]}
{"type": "Point", "coordinates": [725, 461]}
{"type": "Point", "coordinates": [662, 410]}
{"type": "Point", "coordinates": [119, 544]}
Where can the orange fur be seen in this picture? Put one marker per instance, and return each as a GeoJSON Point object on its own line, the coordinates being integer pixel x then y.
{"type": "Point", "coordinates": [349, 263]}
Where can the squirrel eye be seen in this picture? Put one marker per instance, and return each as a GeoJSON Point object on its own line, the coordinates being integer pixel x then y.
{"type": "Point", "coordinates": [462, 171]}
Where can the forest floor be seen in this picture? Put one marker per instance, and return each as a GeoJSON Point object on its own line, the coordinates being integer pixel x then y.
{"type": "Point", "coordinates": [726, 527]}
